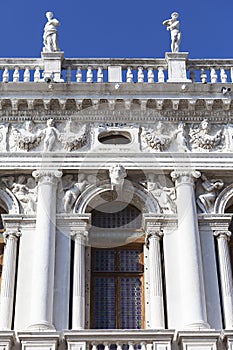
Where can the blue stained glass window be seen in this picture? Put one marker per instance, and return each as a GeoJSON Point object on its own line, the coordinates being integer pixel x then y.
{"type": "Point", "coordinates": [129, 260]}
{"type": "Point", "coordinates": [130, 303]}
{"type": "Point", "coordinates": [104, 303]}
{"type": "Point", "coordinates": [117, 288]}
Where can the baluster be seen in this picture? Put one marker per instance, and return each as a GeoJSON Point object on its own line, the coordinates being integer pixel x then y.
{"type": "Point", "coordinates": [119, 346]}
{"type": "Point", "coordinates": [129, 75]}
{"type": "Point", "coordinates": [106, 346]}
{"type": "Point", "coordinates": [68, 75]}
{"type": "Point", "coordinates": [131, 345]}
{"type": "Point", "coordinates": [213, 75]}
{"type": "Point", "coordinates": [26, 76]}
{"type": "Point", "coordinates": [149, 347]}
{"type": "Point", "coordinates": [192, 75]}
{"type": "Point", "coordinates": [140, 75]}
{"type": "Point", "coordinates": [79, 75]}
{"type": "Point", "coordinates": [100, 75]}
{"type": "Point", "coordinates": [37, 74]}
{"type": "Point", "coordinates": [203, 76]}
{"type": "Point", "coordinates": [89, 75]}
{"type": "Point", "coordinates": [94, 346]}
{"type": "Point", "coordinates": [16, 75]}
{"type": "Point", "coordinates": [143, 345]}
{"type": "Point", "coordinates": [151, 77]}
{"type": "Point", "coordinates": [223, 75]}
{"type": "Point", "coordinates": [5, 76]}
{"type": "Point", "coordinates": [161, 77]}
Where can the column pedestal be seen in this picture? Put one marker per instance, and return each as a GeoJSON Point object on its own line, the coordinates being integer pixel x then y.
{"type": "Point", "coordinates": [177, 67]}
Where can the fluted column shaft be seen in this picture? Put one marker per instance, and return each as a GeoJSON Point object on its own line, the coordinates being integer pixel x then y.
{"type": "Point", "coordinates": [44, 256]}
{"type": "Point", "coordinates": [156, 285]}
{"type": "Point", "coordinates": [78, 311]}
{"type": "Point", "coordinates": [8, 279]}
{"type": "Point", "coordinates": [225, 277]}
{"type": "Point", "coordinates": [190, 261]}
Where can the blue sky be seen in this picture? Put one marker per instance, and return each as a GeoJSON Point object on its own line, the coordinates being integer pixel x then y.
{"type": "Point", "coordinates": [120, 28]}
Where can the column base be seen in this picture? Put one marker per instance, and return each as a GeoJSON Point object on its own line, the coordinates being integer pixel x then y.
{"type": "Point", "coordinates": [197, 326]}
{"type": "Point", "coordinates": [41, 326]}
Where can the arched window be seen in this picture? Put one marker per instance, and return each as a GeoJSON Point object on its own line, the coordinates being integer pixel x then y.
{"type": "Point", "coordinates": [117, 271]}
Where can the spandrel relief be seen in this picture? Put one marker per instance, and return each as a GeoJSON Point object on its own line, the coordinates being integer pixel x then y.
{"type": "Point", "coordinates": [25, 190]}
{"type": "Point", "coordinates": [73, 186]}
{"type": "Point", "coordinates": [205, 137]}
{"type": "Point", "coordinates": [165, 196]}
{"type": "Point", "coordinates": [211, 188]}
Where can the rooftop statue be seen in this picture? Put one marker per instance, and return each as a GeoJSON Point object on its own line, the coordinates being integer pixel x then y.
{"type": "Point", "coordinates": [173, 25]}
{"type": "Point", "coordinates": [50, 36]}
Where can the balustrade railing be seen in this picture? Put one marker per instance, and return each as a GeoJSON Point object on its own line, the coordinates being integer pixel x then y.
{"type": "Point", "coordinates": [120, 340]}
{"type": "Point", "coordinates": [129, 70]}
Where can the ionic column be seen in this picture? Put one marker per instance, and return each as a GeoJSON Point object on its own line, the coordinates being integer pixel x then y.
{"type": "Point", "coordinates": [153, 236]}
{"type": "Point", "coordinates": [8, 278]}
{"type": "Point", "coordinates": [79, 235]}
{"type": "Point", "coordinates": [225, 277]}
{"type": "Point", "coordinates": [189, 254]}
{"type": "Point", "coordinates": [44, 250]}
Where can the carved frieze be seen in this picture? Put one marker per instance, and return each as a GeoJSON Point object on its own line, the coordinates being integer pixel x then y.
{"type": "Point", "coordinates": [156, 139]}
{"type": "Point", "coordinates": [203, 137]}
{"type": "Point", "coordinates": [72, 141]}
{"type": "Point", "coordinates": [73, 186]}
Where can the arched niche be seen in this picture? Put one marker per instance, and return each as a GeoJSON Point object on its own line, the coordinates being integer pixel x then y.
{"type": "Point", "coordinates": [224, 202]}
{"type": "Point", "coordinates": [93, 196]}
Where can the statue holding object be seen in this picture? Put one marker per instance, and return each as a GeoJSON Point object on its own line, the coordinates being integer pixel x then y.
{"type": "Point", "coordinates": [173, 25]}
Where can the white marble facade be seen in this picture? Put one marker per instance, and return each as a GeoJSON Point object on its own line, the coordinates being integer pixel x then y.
{"type": "Point", "coordinates": [72, 153]}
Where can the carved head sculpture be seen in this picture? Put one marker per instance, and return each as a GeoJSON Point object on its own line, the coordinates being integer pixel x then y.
{"type": "Point", "coordinates": [174, 15]}
{"type": "Point", "coordinates": [205, 124]}
{"type": "Point", "coordinates": [117, 174]}
{"type": "Point", "coordinates": [50, 122]}
{"type": "Point", "coordinates": [49, 15]}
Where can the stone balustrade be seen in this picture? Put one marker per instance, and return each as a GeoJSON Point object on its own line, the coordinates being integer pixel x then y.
{"type": "Point", "coordinates": [102, 70]}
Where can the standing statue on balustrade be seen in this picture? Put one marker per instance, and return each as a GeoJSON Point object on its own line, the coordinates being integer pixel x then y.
{"type": "Point", "coordinates": [173, 25]}
{"type": "Point", "coordinates": [50, 36]}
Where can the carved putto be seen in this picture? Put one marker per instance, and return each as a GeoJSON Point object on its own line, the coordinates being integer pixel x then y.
{"type": "Point", "coordinates": [26, 138]}
{"type": "Point", "coordinates": [202, 139]}
{"type": "Point", "coordinates": [51, 134]}
{"type": "Point", "coordinates": [212, 188]}
{"type": "Point", "coordinates": [117, 174]}
{"type": "Point", "coordinates": [165, 196]}
{"type": "Point", "coordinates": [181, 138]}
{"type": "Point", "coordinates": [157, 139]}
{"type": "Point", "coordinates": [73, 188]}
{"type": "Point", "coordinates": [72, 141]}
{"type": "Point", "coordinates": [25, 190]}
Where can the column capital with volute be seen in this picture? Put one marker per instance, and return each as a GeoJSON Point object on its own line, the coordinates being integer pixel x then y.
{"type": "Point", "coordinates": [181, 176]}
{"type": "Point", "coordinates": [47, 176]}
{"type": "Point", "coordinates": [223, 234]}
